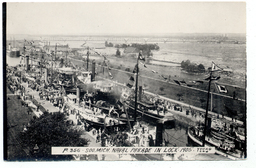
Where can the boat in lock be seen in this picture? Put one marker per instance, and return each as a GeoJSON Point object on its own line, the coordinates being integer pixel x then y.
{"type": "Point", "coordinates": [92, 115]}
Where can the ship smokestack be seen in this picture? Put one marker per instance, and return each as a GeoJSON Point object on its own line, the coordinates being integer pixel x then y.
{"type": "Point", "coordinates": [45, 74]}
{"type": "Point", "coordinates": [73, 79]}
{"type": "Point", "coordinates": [27, 63]}
{"type": "Point", "coordinates": [77, 95]}
{"type": "Point", "coordinates": [140, 93]}
{"type": "Point", "coordinates": [209, 125]}
{"type": "Point", "coordinates": [159, 133]}
{"type": "Point", "coordinates": [93, 71]}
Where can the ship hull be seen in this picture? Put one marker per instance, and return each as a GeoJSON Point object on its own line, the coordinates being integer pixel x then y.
{"type": "Point", "coordinates": [152, 118]}
{"type": "Point", "coordinates": [196, 141]}
{"type": "Point", "coordinates": [14, 54]}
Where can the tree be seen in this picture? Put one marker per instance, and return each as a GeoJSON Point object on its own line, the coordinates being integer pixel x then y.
{"type": "Point", "coordinates": [201, 68]}
{"type": "Point", "coordinates": [118, 53]}
{"type": "Point", "coordinates": [51, 130]}
{"type": "Point", "coordinates": [185, 64]}
{"type": "Point", "coordinates": [106, 43]}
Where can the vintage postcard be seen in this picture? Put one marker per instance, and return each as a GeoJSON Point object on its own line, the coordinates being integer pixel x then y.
{"type": "Point", "coordinates": [125, 81]}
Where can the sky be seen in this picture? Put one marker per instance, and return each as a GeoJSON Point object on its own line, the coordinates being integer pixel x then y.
{"type": "Point", "coordinates": [126, 18]}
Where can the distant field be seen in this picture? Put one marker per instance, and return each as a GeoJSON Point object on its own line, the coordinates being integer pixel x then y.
{"type": "Point", "coordinates": [226, 55]}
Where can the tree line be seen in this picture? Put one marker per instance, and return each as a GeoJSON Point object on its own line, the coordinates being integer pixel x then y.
{"type": "Point", "coordinates": [146, 48]}
{"type": "Point", "coordinates": [192, 67]}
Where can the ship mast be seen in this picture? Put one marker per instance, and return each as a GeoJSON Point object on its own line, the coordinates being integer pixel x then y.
{"type": "Point", "coordinates": [55, 54]}
{"type": "Point", "coordinates": [66, 57]}
{"type": "Point", "coordinates": [136, 89]}
{"type": "Point", "coordinates": [51, 62]}
{"type": "Point", "coordinates": [88, 53]}
{"type": "Point", "coordinates": [207, 104]}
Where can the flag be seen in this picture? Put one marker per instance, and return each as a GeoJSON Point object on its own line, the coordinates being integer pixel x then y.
{"type": "Point", "coordinates": [183, 82]}
{"type": "Point", "coordinates": [143, 65]}
{"type": "Point", "coordinates": [135, 69]}
{"type": "Point", "coordinates": [141, 57]}
{"type": "Point", "coordinates": [221, 88]}
{"type": "Point", "coordinates": [129, 85]}
{"type": "Point", "coordinates": [177, 82]}
{"type": "Point", "coordinates": [163, 77]}
{"type": "Point", "coordinates": [213, 78]}
{"type": "Point", "coordinates": [215, 67]}
{"type": "Point", "coordinates": [189, 85]}
{"type": "Point", "coordinates": [110, 74]}
{"type": "Point", "coordinates": [198, 81]}
{"type": "Point", "coordinates": [132, 78]}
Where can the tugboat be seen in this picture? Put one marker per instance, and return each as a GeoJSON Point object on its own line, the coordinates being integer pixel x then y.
{"type": "Point", "coordinates": [228, 141]}
{"type": "Point", "coordinates": [225, 144]}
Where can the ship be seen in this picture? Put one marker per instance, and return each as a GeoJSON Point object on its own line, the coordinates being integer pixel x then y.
{"type": "Point", "coordinates": [149, 109]}
{"type": "Point", "coordinates": [13, 51]}
{"type": "Point", "coordinates": [90, 115]}
{"type": "Point", "coordinates": [226, 145]}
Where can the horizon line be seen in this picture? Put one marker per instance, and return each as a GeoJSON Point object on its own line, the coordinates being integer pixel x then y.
{"type": "Point", "coordinates": [121, 34]}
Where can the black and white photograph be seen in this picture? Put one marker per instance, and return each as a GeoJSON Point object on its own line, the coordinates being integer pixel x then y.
{"type": "Point", "coordinates": [125, 81]}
